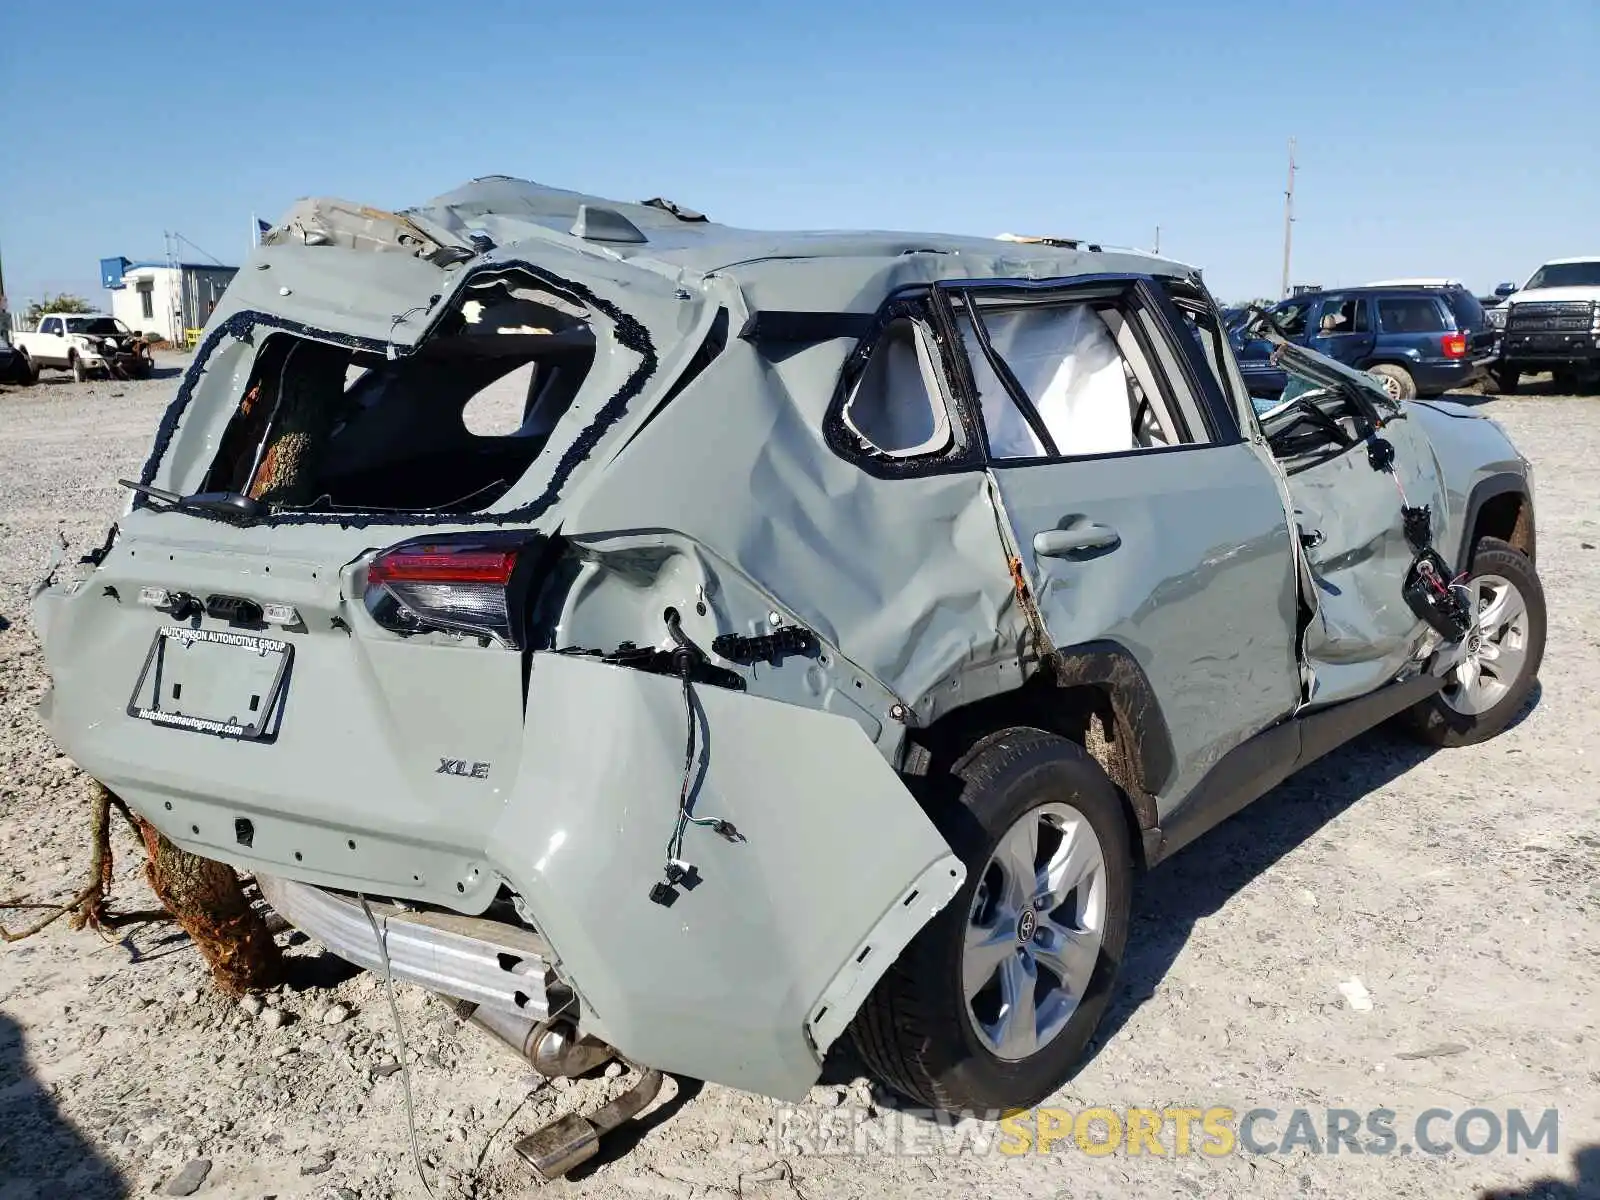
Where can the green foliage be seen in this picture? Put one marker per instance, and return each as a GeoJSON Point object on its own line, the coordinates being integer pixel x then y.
{"type": "Point", "coordinates": [62, 303]}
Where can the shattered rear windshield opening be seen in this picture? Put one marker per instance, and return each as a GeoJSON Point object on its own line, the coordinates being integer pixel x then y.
{"type": "Point", "coordinates": [96, 326]}
{"type": "Point", "coordinates": [450, 427]}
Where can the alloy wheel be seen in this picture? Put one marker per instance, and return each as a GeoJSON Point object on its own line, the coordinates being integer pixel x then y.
{"type": "Point", "coordinates": [1034, 932]}
{"type": "Point", "coordinates": [1497, 647]}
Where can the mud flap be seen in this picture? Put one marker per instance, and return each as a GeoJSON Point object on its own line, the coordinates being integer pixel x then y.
{"type": "Point", "coordinates": [748, 975]}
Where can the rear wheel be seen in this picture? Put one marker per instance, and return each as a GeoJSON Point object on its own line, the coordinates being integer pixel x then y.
{"type": "Point", "coordinates": [1507, 379]}
{"type": "Point", "coordinates": [1396, 381]}
{"type": "Point", "coordinates": [1505, 646]}
{"type": "Point", "coordinates": [78, 371]}
{"type": "Point", "coordinates": [992, 1004]}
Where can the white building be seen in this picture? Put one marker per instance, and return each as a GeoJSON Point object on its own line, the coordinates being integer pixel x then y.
{"type": "Point", "coordinates": [161, 299]}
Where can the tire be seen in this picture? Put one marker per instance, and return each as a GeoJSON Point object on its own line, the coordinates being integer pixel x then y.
{"type": "Point", "coordinates": [918, 1033]}
{"type": "Point", "coordinates": [78, 371]}
{"type": "Point", "coordinates": [30, 369]}
{"type": "Point", "coordinates": [1449, 718]}
{"type": "Point", "coordinates": [1507, 379]}
{"type": "Point", "coordinates": [1396, 381]}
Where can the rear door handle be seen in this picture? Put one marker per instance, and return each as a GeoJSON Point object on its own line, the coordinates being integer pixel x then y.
{"type": "Point", "coordinates": [1059, 543]}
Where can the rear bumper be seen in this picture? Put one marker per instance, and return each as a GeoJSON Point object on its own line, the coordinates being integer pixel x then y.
{"type": "Point", "coordinates": [745, 979]}
{"type": "Point", "coordinates": [1443, 375]}
{"type": "Point", "coordinates": [494, 965]}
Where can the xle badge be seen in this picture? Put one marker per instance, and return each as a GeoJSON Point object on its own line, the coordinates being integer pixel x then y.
{"type": "Point", "coordinates": [462, 768]}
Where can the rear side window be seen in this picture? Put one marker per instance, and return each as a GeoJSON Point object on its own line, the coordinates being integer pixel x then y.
{"type": "Point", "coordinates": [1343, 316]}
{"type": "Point", "coordinates": [898, 405]}
{"type": "Point", "coordinates": [1419, 314]}
{"type": "Point", "coordinates": [1468, 312]}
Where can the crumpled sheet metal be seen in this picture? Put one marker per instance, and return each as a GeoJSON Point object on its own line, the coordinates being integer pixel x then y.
{"type": "Point", "coordinates": [932, 601]}
{"type": "Point", "coordinates": [835, 871]}
{"type": "Point", "coordinates": [1363, 633]}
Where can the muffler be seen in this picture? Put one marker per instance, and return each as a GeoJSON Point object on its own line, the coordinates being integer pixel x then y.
{"type": "Point", "coordinates": [553, 1047]}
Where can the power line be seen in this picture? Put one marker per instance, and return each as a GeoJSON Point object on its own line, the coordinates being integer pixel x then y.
{"type": "Point", "coordinates": [201, 249]}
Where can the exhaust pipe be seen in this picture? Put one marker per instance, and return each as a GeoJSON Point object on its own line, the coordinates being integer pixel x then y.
{"type": "Point", "coordinates": [555, 1049]}
{"type": "Point", "coordinates": [574, 1139]}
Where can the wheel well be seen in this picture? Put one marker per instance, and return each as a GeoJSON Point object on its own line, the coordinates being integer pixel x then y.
{"type": "Point", "coordinates": [1508, 517]}
{"type": "Point", "coordinates": [1085, 714]}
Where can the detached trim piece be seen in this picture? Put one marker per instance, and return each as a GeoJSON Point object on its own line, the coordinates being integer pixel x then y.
{"type": "Point", "coordinates": [868, 963]}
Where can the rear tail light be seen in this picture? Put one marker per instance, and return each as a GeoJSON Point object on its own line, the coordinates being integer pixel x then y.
{"type": "Point", "coordinates": [1455, 345]}
{"type": "Point", "coordinates": [468, 586]}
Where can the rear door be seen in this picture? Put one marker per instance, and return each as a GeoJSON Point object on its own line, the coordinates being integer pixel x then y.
{"type": "Point", "coordinates": [1139, 515]}
{"type": "Point", "coordinates": [1342, 328]}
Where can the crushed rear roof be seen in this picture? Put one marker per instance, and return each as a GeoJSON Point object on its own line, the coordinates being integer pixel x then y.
{"type": "Point", "coordinates": [517, 210]}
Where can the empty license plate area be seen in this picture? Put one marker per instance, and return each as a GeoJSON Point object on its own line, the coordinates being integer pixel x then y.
{"type": "Point", "coordinates": [211, 681]}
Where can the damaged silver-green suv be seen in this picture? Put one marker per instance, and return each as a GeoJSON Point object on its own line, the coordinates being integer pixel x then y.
{"type": "Point", "coordinates": [699, 644]}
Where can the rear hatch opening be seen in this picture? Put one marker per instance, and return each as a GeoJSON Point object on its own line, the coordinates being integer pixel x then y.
{"type": "Point", "coordinates": [449, 427]}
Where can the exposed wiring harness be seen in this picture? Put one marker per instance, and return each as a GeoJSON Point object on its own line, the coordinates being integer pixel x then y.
{"type": "Point", "coordinates": [677, 871]}
{"type": "Point", "coordinates": [1428, 589]}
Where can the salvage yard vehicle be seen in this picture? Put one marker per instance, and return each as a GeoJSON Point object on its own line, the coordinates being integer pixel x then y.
{"type": "Point", "coordinates": [15, 365]}
{"type": "Point", "coordinates": [87, 344]}
{"type": "Point", "coordinates": [1418, 338]}
{"type": "Point", "coordinates": [1552, 323]}
{"type": "Point", "coordinates": [836, 624]}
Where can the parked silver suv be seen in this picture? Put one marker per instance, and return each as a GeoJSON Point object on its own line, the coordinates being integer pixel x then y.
{"type": "Point", "coordinates": [829, 629]}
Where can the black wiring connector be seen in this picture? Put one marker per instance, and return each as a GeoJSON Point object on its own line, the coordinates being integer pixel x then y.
{"type": "Point", "coordinates": [677, 873]}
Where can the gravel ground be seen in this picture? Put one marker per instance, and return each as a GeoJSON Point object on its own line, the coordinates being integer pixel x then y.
{"type": "Point", "coordinates": [1459, 887]}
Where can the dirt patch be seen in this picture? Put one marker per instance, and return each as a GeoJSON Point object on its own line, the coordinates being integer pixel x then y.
{"type": "Point", "coordinates": [1460, 888]}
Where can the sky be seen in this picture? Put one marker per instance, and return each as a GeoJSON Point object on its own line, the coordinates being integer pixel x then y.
{"type": "Point", "coordinates": [1434, 139]}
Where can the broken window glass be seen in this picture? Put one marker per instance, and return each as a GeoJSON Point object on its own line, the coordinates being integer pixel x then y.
{"type": "Point", "coordinates": [450, 427]}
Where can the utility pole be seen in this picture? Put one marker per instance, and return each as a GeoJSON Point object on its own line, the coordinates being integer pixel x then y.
{"type": "Point", "coordinates": [1157, 250]}
{"type": "Point", "coordinates": [1288, 219]}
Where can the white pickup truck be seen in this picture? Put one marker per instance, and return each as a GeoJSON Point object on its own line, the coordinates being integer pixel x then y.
{"type": "Point", "coordinates": [1552, 323]}
{"type": "Point", "coordinates": [86, 344]}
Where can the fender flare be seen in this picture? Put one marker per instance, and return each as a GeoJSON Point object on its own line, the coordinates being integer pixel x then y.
{"type": "Point", "coordinates": [1502, 483]}
{"type": "Point", "coordinates": [1111, 666]}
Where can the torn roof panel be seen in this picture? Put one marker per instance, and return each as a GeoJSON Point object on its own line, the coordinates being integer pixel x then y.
{"type": "Point", "coordinates": [512, 210]}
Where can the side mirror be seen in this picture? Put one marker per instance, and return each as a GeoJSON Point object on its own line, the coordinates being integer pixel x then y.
{"type": "Point", "coordinates": [1505, 289]}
